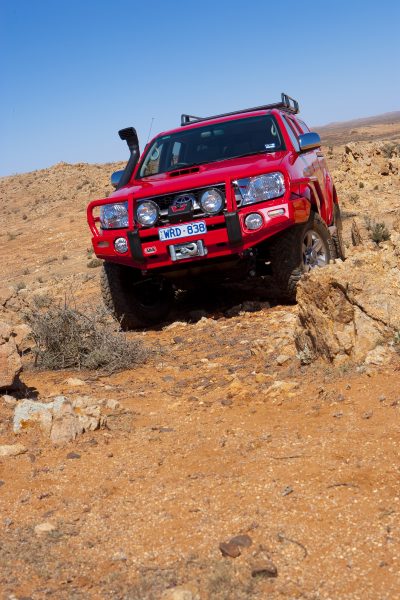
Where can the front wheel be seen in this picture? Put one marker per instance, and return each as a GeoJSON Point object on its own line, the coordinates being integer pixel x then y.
{"type": "Point", "coordinates": [337, 236]}
{"type": "Point", "coordinates": [298, 250]}
{"type": "Point", "coordinates": [135, 301]}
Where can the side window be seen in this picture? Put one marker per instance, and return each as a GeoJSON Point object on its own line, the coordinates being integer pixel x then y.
{"type": "Point", "coordinates": [295, 126]}
{"type": "Point", "coordinates": [305, 128]}
{"type": "Point", "coordinates": [291, 133]}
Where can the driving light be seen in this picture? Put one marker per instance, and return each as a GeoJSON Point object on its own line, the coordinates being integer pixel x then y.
{"type": "Point", "coordinates": [121, 245]}
{"type": "Point", "coordinates": [114, 216]}
{"type": "Point", "coordinates": [264, 187]}
{"type": "Point", "coordinates": [147, 213]}
{"type": "Point", "coordinates": [212, 201]}
{"type": "Point", "coordinates": [277, 212]}
{"type": "Point", "coordinates": [253, 221]}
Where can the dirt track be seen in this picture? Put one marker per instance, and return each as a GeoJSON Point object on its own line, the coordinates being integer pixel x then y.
{"type": "Point", "coordinates": [202, 454]}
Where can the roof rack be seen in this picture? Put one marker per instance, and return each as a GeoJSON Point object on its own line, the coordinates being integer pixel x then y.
{"type": "Point", "coordinates": [287, 104]}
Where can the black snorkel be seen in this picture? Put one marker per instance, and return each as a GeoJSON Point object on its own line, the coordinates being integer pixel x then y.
{"type": "Point", "coordinates": [130, 136]}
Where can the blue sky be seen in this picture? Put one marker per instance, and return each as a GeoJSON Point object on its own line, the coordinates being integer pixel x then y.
{"type": "Point", "coordinates": [74, 72]}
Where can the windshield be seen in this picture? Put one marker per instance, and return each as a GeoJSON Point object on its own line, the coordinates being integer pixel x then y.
{"type": "Point", "coordinates": [212, 143]}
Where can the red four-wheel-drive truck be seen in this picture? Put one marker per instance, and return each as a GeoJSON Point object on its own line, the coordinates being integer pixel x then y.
{"type": "Point", "coordinates": [220, 198]}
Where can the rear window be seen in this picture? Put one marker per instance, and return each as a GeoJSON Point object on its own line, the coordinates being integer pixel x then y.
{"type": "Point", "coordinates": [212, 143]}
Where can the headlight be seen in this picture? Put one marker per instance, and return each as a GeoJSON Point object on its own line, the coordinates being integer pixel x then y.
{"type": "Point", "coordinates": [263, 187]}
{"type": "Point", "coordinates": [114, 216]}
{"type": "Point", "coordinates": [212, 201]}
{"type": "Point", "coordinates": [147, 213]}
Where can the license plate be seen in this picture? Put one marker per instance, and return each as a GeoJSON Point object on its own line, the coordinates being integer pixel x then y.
{"type": "Point", "coordinates": [177, 232]}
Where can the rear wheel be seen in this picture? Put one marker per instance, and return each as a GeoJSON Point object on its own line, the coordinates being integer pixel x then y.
{"type": "Point", "coordinates": [299, 250]}
{"type": "Point", "coordinates": [135, 301]}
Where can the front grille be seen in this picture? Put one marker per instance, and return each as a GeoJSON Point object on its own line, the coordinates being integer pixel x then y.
{"type": "Point", "coordinates": [164, 202]}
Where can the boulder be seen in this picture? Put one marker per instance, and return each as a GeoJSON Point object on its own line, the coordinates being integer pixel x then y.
{"type": "Point", "coordinates": [348, 309]}
{"type": "Point", "coordinates": [179, 593]}
{"type": "Point", "coordinates": [22, 334]}
{"type": "Point", "coordinates": [5, 294]}
{"type": "Point", "coordinates": [61, 419]}
{"type": "Point", "coordinates": [10, 361]}
{"type": "Point", "coordinates": [12, 450]}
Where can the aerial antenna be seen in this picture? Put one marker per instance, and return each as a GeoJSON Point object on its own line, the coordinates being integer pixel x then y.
{"type": "Point", "coordinates": [151, 127]}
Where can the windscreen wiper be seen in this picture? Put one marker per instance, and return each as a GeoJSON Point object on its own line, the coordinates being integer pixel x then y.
{"type": "Point", "coordinates": [185, 166]}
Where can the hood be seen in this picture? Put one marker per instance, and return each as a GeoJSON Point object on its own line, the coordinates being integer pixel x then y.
{"type": "Point", "coordinates": [204, 175]}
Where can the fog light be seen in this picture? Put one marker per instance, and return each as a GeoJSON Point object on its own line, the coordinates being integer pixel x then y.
{"type": "Point", "coordinates": [253, 221]}
{"type": "Point", "coordinates": [121, 245]}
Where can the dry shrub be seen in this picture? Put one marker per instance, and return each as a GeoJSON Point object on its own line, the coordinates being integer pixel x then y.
{"type": "Point", "coordinates": [391, 149]}
{"type": "Point", "coordinates": [68, 338]}
{"type": "Point", "coordinates": [223, 584]}
{"type": "Point", "coordinates": [94, 263]}
{"type": "Point", "coordinates": [151, 585]}
{"type": "Point", "coordinates": [378, 232]}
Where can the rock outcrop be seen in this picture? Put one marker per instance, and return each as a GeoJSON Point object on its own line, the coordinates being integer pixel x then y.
{"type": "Point", "coordinates": [351, 310]}
{"type": "Point", "coordinates": [10, 361]}
{"type": "Point", "coordinates": [61, 419]}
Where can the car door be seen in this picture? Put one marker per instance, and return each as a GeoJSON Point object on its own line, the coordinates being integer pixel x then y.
{"type": "Point", "coordinates": [317, 168]}
{"type": "Point", "coordinates": [323, 175]}
{"type": "Point", "coordinates": [308, 160]}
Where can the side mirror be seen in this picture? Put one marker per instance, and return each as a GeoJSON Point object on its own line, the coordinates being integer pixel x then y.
{"type": "Point", "coordinates": [309, 141]}
{"type": "Point", "coordinates": [116, 178]}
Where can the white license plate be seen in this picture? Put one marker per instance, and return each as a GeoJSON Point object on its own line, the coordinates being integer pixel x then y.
{"type": "Point", "coordinates": [176, 232]}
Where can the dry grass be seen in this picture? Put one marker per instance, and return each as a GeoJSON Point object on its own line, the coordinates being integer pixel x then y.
{"type": "Point", "coordinates": [68, 338]}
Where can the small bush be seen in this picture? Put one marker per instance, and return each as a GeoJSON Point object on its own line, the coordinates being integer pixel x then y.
{"type": "Point", "coordinates": [223, 583]}
{"type": "Point", "coordinates": [396, 341]}
{"type": "Point", "coordinates": [42, 300]}
{"type": "Point", "coordinates": [354, 198]}
{"type": "Point", "coordinates": [94, 263]}
{"type": "Point", "coordinates": [391, 149]}
{"type": "Point", "coordinates": [378, 231]}
{"type": "Point", "coordinates": [21, 285]}
{"type": "Point", "coordinates": [305, 355]}
{"type": "Point", "coordinates": [67, 338]}
{"type": "Point", "coordinates": [361, 185]}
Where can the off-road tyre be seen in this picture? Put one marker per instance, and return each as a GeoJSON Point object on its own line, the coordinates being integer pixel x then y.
{"type": "Point", "coordinates": [124, 298]}
{"type": "Point", "coordinates": [286, 254]}
{"type": "Point", "coordinates": [337, 237]}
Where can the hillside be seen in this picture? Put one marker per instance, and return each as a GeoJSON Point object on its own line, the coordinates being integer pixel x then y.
{"type": "Point", "coordinates": [226, 428]}
{"type": "Point", "coordinates": [386, 126]}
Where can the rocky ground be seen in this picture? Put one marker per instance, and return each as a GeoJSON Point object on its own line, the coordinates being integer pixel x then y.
{"type": "Point", "coordinates": [278, 424]}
